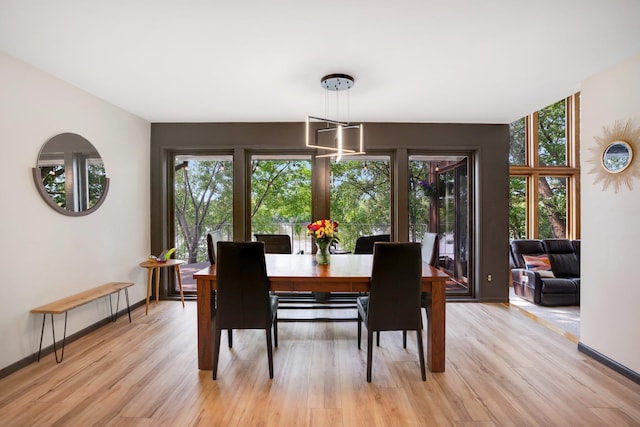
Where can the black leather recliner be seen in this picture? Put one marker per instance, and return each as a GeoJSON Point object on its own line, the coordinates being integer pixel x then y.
{"type": "Point", "coordinates": [564, 288]}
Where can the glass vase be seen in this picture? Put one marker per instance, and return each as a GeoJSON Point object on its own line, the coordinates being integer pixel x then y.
{"type": "Point", "coordinates": [322, 254]}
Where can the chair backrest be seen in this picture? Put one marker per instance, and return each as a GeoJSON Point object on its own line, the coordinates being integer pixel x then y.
{"type": "Point", "coordinates": [396, 277]}
{"type": "Point", "coordinates": [525, 247]}
{"type": "Point", "coordinates": [430, 248]}
{"type": "Point", "coordinates": [242, 286]}
{"type": "Point", "coordinates": [275, 243]}
{"type": "Point", "coordinates": [212, 241]}
{"type": "Point", "coordinates": [563, 257]}
{"type": "Point", "coordinates": [364, 244]}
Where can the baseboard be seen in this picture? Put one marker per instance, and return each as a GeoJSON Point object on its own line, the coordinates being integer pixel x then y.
{"type": "Point", "coordinates": [632, 375]}
{"type": "Point", "coordinates": [14, 367]}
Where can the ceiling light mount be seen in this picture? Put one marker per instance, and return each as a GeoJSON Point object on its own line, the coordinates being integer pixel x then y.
{"type": "Point", "coordinates": [336, 138]}
{"type": "Point", "coordinates": [337, 82]}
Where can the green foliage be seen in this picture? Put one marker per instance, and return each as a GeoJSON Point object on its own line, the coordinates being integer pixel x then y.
{"type": "Point", "coordinates": [419, 202]}
{"type": "Point", "coordinates": [552, 207]}
{"type": "Point", "coordinates": [360, 199]}
{"type": "Point", "coordinates": [517, 207]}
{"type": "Point", "coordinates": [96, 182]}
{"type": "Point", "coordinates": [517, 142]}
{"type": "Point", "coordinates": [203, 194]}
{"type": "Point", "coordinates": [54, 183]}
{"type": "Point", "coordinates": [280, 193]}
{"type": "Point", "coordinates": [552, 136]}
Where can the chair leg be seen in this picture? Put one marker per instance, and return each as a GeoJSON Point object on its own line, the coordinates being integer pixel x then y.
{"type": "Point", "coordinates": [269, 352]}
{"type": "Point", "coordinates": [230, 337]}
{"type": "Point", "coordinates": [378, 338]}
{"type": "Point", "coordinates": [421, 355]}
{"type": "Point", "coordinates": [404, 339]}
{"type": "Point", "coordinates": [216, 350]}
{"type": "Point", "coordinates": [369, 353]}
{"type": "Point", "coordinates": [275, 331]}
{"type": "Point", "coordinates": [359, 329]}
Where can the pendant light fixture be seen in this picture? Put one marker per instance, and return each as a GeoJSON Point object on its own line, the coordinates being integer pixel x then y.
{"type": "Point", "coordinates": [336, 138]}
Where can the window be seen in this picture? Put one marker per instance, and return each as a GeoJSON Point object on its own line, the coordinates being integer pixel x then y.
{"type": "Point", "coordinates": [360, 197]}
{"type": "Point", "coordinates": [203, 191]}
{"type": "Point", "coordinates": [281, 197]}
{"type": "Point", "coordinates": [545, 172]}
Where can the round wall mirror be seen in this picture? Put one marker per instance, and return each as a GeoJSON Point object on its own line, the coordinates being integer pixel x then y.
{"type": "Point", "coordinates": [617, 156]}
{"type": "Point", "coordinates": [70, 175]}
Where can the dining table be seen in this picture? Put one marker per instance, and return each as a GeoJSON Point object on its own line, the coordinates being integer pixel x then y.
{"type": "Point", "coordinates": [344, 273]}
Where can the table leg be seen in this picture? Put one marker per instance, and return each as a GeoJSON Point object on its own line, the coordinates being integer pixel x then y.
{"type": "Point", "coordinates": [180, 284]}
{"type": "Point", "coordinates": [149, 281]}
{"type": "Point", "coordinates": [157, 269]}
{"type": "Point", "coordinates": [436, 329]}
{"type": "Point", "coordinates": [205, 353]}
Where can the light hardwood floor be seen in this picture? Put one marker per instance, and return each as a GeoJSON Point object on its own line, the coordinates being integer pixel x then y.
{"type": "Point", "coordinates": [503, 369]}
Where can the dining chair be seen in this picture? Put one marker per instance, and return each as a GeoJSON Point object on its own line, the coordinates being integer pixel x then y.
{"type": "Point", "coordinates": [243, 298]}
{"type": "Point", "coordinates": [364, 244]}
{"type": "Point", "coordinates": [275, 243]}
{"type": "Point", "coordinates": [393, 303]}
{"type": "Point", "coordinates": [212, 240]}
{"type": "Point", "coordinates": [430, 251]}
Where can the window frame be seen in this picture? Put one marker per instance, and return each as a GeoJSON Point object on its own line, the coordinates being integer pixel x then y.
{"type": "Point", "coordinates": [571, 171]}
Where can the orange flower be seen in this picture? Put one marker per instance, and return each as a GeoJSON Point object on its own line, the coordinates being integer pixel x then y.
{"type": "Point", "coordinates": [323, 231]}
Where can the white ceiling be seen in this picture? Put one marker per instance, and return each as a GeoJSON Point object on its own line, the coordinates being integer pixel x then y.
{"type": "Point", "coordinates": [471, 61]}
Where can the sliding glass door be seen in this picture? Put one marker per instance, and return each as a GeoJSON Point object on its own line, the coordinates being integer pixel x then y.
{"type": "Point", "coordinates": [202, 201]}
{"type": "Point", "coordinates": [439, 203]}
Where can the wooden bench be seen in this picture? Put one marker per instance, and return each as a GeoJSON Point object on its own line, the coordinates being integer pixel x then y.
{"type": "Point", "coordinates": [65, 304]}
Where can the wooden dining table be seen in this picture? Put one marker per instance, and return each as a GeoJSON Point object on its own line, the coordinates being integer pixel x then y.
{"type": "Point", "coordinates": [345, 273]}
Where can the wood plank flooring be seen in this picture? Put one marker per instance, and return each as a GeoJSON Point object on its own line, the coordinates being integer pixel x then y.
{"type": "Point", "coordinates": [503, 369]}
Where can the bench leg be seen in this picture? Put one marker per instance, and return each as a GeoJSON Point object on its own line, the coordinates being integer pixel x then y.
{"type": "Point", "coordinates": [114, 317]}
{"type": "Point", "coordinates": [53, 332]}
{"type": "Point", "coordinates": [44, 317]}
{"type": "Point", "coordinates": [126, 294]}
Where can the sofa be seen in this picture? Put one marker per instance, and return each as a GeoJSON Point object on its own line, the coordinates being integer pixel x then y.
{"type": "Point", "coordinates": [546, 272]}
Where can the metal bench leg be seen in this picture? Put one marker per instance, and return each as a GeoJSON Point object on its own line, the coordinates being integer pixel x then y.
{"type": "Point", "coordinates": [64, 338]}
{"type": "Point", "coordinates": [126, 294]}
{"type": "Point", "coordinates": [114, 317]}
{"type": "Point", "coordinates": [53, 333]}
{"type": "Point", "coordinates": [44, 317]}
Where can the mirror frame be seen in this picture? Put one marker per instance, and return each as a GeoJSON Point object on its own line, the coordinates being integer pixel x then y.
{"type": "Point", "coordinates": [37, 179]}
{"type": "Point", "coordinates": [606, 149]}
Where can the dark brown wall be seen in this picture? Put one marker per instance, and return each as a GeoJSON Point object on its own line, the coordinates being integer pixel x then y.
{"type": "Point", "coordinates": [487, 146]}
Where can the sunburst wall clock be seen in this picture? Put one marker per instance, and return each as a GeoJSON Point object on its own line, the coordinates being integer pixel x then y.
{"type": "Point", "coordinates": [614, 158]}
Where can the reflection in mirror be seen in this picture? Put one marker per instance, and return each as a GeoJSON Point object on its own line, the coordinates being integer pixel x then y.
{"type": "Point", "coordinates": [617, 157]}
{"type": "Point", "coordinates": [70, 175]}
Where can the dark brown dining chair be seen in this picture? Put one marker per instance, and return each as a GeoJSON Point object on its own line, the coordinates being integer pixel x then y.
{"type": "Point", "coordinates": [275, 243]}
{"type": "Point", "coordinates": [364, 244]}
{"type": "Point", "coordinates": [393, 303]}
{"type": "Point", "coordinates": [243, 298]}
{"type": "Point", "coordinates": [430, 250]}
{"type": "Point", "coordinates": [212, 241]}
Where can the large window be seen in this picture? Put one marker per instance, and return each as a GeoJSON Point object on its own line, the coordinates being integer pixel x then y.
{"type": "Point", "coordinates": [545, 172]}
{"type": "Point", "coordinates": [360, 197]}
{"type": "Point", "coordinates": [281, 197]}
{"type": "Point", "coordinates": [203, 192]}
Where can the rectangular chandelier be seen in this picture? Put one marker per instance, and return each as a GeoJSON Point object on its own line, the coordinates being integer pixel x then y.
{"type": "Point", "coordinates": [338, 139]}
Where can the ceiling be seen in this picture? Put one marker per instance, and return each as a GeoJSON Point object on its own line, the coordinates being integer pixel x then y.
{"type": "Point", "coordinates": [463, 61]}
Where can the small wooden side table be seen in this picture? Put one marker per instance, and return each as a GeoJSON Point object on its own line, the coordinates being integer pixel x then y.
{"type": "Point", "coordinates": [152, 266]}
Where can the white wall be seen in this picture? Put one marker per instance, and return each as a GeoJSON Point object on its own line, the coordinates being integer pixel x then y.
{"type": "Point", "coordinates": [610, 287]}
{"type": "Point", "coordinates": [46, 255]}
